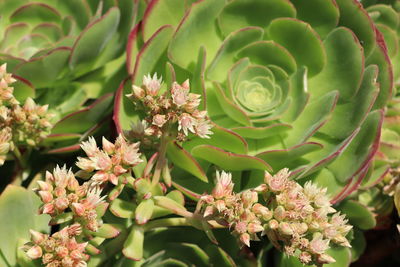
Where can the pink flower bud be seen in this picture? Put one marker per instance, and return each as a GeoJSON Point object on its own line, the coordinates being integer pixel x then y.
{"type": "Point", "coordinates": [305, 257]}
{"type": "Point", "coordinates": [61, 203]}
{"type": "Point", "coordinates": [241, 227]}
{"type": "Point", "coordinates": [75, 229]}
{"type": "Point", "coordinates": [273, 224]}
{"type": "Point", "coordinates": [208, 211]}
{"type": "Point", "coordinates": [59, 191]}
{"type": "Point", "coordinates": [279, 213]}
{"type": "Point", "coordinates": [108, 147]}
{"type": "Point", "coordinates": [46, 196]}
{"type": "Point", "coordinates": [37, 237]}
{"type": "Point", "coordinates": [62, 251]}
{"type": "Point", "coordinates": [285, 228]}
{"type": "Point", "coordinates": [45, 186]}
{"type": "Point", "coordinates": [118, 170]}
{"type": "Point", "coordinates": [159, 120]}
{"type": "Point", "coordinates": [34, 252]}
{"type": "Point", "coordinates": [48, 208]}
{"type": "Point", "coordinates": [90, 147]}
{"type": "Point", "coordinates": [78, 209]}
{"type": "Point", "coordinates": [254, 228]}
{"type": "Point", "coordinates": [245, 239]}
{"type": "Point", "coordinates": [137, 92]}
{"type": "Point", "coordinates": [113, 179]}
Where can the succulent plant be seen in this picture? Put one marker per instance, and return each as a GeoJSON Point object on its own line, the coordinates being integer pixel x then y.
{"type": "Point", "coordinates": [290, 87]}
{"type": "Point", "coordinates": [64, 53]}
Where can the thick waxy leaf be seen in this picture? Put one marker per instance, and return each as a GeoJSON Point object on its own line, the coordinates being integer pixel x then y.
{"type": "Point", "coordinates": [107, 231]}
{"type": "Point", "coordinates": [239, 14]}
{"type": "Point", "coordinates": [175, 195]}
{"type": "Point", "coordinates": [360, 150]}
{"type": "Point", "coordinates": [225, 57]}
{"type": "Point", "coordinates": [301, 41]}
{"type": "Point", "coordinates": [279, 159]}
{"type": "Point", "coordinates": [133, 246]}
{"type": "Point", "coordinates": [151, 53]}
{"type": "Point", "coordinates": [180, 50]}
{"type": "Point", "coordinates": [93, 39]}
{"type": "Point", "coordinates": [353, 16]}
{"type": "Point", "coordinates": [262, 132]}
{"type": "Point", "coordinates": [385, 76]}
{"type": "Point", "coordinates": [159, 13]}
{"type": "Point", "coordinates": [171, 205]}
{"type": "Point", "coordinates": [358, 214]}
{"type": "Point", "coordinates": [227, 160]}
{"type": "Point", "coordinates": [358, 245]}
{"type": "Point", "coordinates": [222, 138]}
{"type": "Point", "coordinates": [313, 117]}
{"type": "Point", "coordinates": [23, 89]}
{"type": "Point", "coordinates": [35, 13]}
{"type": "Point", "coordinates": [181, 158]}
{"type": "Point", "coordinates": [122, 208]}
{"type": "Point", "coordinates": [344, 68]}
{"type": "Point", "coordinates": [323, 21]}
{"type": "Point", "coordinates": [347, 117]}
{"type": "Point", "coordinates": [191, 253]}
{"type": "Point", "coordinates": [84, 119]}
{"type": "Point", "coordinates": [18, 214]}
{"type": "Point", "coordinates": [43, 71]}
{"type": "Point", "coordinates": [144, 211]}
{"type": "Point", "coordinates": [269, 53]}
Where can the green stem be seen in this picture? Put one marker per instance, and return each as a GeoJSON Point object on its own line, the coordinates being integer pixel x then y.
{"type": "Point", "coordinates": [167, 222]}
{"type": "Point", "coordinates": [18, 156]}
{"type": "Point", "coordinates": [161, 159]}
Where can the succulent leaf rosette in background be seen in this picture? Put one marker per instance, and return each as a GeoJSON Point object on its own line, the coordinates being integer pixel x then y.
{"type": "Point", "coordinates": [64, 53]}
{"type": "Point", "coordinates": [285, 86]}
{"type": "Point", "coordinates": [382, 182]}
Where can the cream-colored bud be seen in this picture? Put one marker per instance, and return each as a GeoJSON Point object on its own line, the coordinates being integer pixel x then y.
{"type": "Point", "coordinates": [34, 252]}
{"type": "Point", "coordinates": [285, 228]}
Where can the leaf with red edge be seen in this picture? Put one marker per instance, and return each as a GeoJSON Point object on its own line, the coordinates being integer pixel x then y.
{"type": "Point", "coordinates": [181, 158]}
{"type": "Point", "coordinates": [229, 161]}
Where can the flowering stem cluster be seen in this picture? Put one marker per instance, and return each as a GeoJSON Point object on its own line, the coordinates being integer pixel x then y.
{"type": "Point", "coordinates": [25, 125]}
{"type": "Point", "coordinates": [296, 219]}
{"type": "Point", "coordinates": [164, 111]}
{"type": "Point", "coordinates": [59, 249]}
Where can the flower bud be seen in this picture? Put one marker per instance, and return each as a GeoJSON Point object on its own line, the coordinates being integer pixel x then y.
{"type": "Point", "coordinates": [285, 228]}
{"type": "Point", "coordinates": [37, 237]}
{"type": "Point", "coordinates": [279, 213]}
{"type": "Point", "coordinates": [254, 228]}
{"type": "Point", "coordinates": [48, 208]}
{"type": "Point", "coordinates": [34, 252]}
{"type": "Point", "coordinates": [46, 196]}
{"type": "Point", "coordinates": [245, 239]}
{"type": "Point", "coordinates": [273, 224]}
{"type": "Point", "coordinates": [325, 259]}
{"type": "Point", "coordinates": [61, 203]}
{"type": "Point", "coordinates": [78, 209]}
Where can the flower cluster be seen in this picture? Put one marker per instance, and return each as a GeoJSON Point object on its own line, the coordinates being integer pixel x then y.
{"type": "Point", "coordinates": [296, 219]}
{"type": "Point", "coordinates": [23, 125]}
{"type": "Point", "coordinates": [175, 106]}
{"type": "Point", "coordinates": [59, 249]}
{"type": "Point", "coordinates": [109, 163]}
{"type": "Point", "coordinates": [61, 192]}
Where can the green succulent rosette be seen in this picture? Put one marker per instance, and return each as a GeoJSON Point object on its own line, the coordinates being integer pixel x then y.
{"type": "Point", "coordinates": [380, 184]}
{"type": "Point", "coordinates": [285, 85]}
{"type": "Point", "coordinates": [66, 53]}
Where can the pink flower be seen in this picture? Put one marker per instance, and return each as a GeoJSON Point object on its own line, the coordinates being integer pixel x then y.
{"type": "Point", "coordinates": [159, 120]}
{"type": "Point", "coordinates": [186, 122]}
{"type": "Point", "coordinates": [152, 85]}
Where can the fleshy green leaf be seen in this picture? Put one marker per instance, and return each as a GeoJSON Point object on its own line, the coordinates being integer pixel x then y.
{"type": "Point", "coordinates": [144, 211]}
{"type": "Point", "coordinates": [181, 158]}
{"type": "Point", "coordinates": [227, 160]}
{"type": "Point", "coordinates": [358, 214]}
{"type": "Point", "coordinates": [133, 246]}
